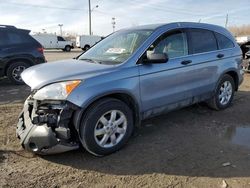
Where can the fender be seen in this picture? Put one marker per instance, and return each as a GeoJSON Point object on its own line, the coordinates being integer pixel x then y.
{"type": "Point", "coordinates": [8, 60]}
{"type": "Point", "coordinates": [79, 114]}
{"type": "Point", "coordinates": [225, 72]}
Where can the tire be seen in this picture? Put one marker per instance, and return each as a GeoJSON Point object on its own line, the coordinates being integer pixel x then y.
{"type": "Point", "coordinates": [67, 48]}
{"type": "Point", "coordinates": [86, 47]}
{"type": "Point", "coordinates": [96, 137]}
{"type": "Point", "coordinates": [14, 72]}
{"type": "Point", "coordinates": [217, 102]}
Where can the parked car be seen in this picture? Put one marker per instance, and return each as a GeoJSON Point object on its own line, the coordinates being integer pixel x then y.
{"type": "Point", "coordinates": [248, 55]}
{"type": "Point", "coordinates": [86, 41]}
{"type": "Point", "coordinates": [97, 99]}
{"type": "Point", "coordinates": [50, 41]}
{"type": "Point", "coordinates": [246, 65]}
{"type": "Point", "coordinates": [244, 43]}
{"type": "Point", "coordinates": [18, 51]}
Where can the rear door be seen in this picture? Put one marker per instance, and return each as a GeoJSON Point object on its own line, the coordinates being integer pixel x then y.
{"type": "Point", "coordinates": [4, 44]}
{"type": "Point", "coordinates": [206, 58]}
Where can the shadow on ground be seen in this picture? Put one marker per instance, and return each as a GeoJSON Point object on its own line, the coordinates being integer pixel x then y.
{"type": "Point", "coordinates": [194, 141]}
{"type": "Point", "coordinates": [10, 93]}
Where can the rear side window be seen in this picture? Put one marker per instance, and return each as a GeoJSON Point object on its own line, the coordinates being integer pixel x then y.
{"type": "Point", "coordinates": [201, 40]}
{"type": "Point", "coordinates": [223, 41]}
{"type": "Point", "coordinates": [3, 38]}
{"type": "Point", "coordinates": [19, 38]}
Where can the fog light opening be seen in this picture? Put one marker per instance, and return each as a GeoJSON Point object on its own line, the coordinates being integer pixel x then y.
{"type": "Point", "coordinates": [33, 147]}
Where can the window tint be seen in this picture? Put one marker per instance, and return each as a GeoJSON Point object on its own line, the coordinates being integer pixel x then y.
{"type": "Point", "coordinates": [18, 38]}
{"type": "Point", "coordinates": [202, 41]}
{"type": "Point", "coordinates": [223, 41]}
{"type": "Point", "coordinates": [174, 45]}
{"type": "Point", "coordinates": [3, 38]}
{"type": "Point", "coordinates": [60, 39]}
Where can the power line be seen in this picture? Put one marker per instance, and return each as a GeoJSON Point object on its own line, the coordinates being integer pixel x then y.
{"type": "Point", "coordinates": [42, 6]}
{"type": "Point", "coordinates": [166, 9]}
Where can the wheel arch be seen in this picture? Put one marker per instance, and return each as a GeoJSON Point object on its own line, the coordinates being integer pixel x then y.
{"type": "Point", "coordinates": [15, 60]}
{"type": "Point", "coordinates": [235, 76]}
{"type": "Point", "coordinates": [122, 96]}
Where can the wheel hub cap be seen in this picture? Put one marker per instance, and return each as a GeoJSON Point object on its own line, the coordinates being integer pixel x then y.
{"type": "Point", "coordinates": [225, 93]}
{"type": "Point", "coordinates": [110, 128]}
{"type": "Point", "coordinates": [16, 73]}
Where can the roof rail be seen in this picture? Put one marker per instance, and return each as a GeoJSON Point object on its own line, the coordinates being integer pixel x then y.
{"type": "Point", "coordinates": [7, 26]}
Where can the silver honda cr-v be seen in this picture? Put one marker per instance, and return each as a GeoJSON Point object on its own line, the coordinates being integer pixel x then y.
{"type": "Point", "coordinates": [98, 98]}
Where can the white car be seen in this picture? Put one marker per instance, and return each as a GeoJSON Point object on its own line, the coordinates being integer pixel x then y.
{"type": "Point", "coordinates": [50, 41]}
{"type": "Point", "coordinates": [86, 41]}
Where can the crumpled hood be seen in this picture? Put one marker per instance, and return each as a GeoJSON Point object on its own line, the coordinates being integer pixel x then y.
{"type": "Point", "coordinates": [71, 69]}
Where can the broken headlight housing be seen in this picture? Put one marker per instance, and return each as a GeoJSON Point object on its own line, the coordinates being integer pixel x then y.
{"type": "Point", "coordinates": [56, 91]}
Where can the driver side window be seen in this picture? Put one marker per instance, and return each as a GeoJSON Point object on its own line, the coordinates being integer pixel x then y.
{"type": "Point", "coordinates": [173, 44]}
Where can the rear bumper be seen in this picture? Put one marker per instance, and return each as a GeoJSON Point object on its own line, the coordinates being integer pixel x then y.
{"type": "Point", "coordinates": [45, 134]}
{"type": "Point", "coordinates": [40, 60]}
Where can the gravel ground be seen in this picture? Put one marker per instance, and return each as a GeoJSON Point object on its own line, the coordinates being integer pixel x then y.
{"type": "Point", "coordinates": [192, 147]}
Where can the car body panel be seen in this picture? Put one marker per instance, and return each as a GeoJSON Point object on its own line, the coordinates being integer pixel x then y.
{"type": "Point", "coordinates": [71, 69]}
{"type": "Point", "coordinates": [154, 88]}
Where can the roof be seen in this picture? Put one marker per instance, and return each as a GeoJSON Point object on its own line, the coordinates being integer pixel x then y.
{"type": "Point", "coordinates": [212, 27]}
{"type": "Point", "coordinates": [184, 24]}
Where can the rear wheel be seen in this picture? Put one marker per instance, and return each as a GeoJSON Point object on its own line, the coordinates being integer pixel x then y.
{"type": "Point", "coordinates": [86, 47]}
{"type": "Point", "coordinates": [14, 72]}
{"type": "Point", "coordinates": [224, 93]}
{"type": "Point", "coordinates": [67, 48]}
{"type": "Point", "coordinates": [106, 127]}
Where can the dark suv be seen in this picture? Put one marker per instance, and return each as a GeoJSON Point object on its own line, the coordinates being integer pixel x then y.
{"type": "Point", "coordinates": [18, 51]}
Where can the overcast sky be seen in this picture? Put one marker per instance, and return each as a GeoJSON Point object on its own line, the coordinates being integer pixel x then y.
{"type": "Point", "coordinates": [73, 14]}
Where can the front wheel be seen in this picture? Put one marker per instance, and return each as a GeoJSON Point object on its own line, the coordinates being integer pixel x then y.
{"type": "Point", "coordinates": [224, 93]}
{"type": "Point", "coordinates": [106, 127]}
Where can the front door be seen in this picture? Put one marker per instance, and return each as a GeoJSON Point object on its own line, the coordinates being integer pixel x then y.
{"type": "Point", "coordinates": [170, 85]}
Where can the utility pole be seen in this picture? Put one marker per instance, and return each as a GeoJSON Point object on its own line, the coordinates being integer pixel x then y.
{"type": "Point", "coordinates": [113, 24]}
{"type": "Point", "coordinates": [90, 32]}
{"type": "Point", "coordinates": [60, 25]}
{"type": "Point", "coordinates": [226, 21]}
{"type": "Point", "coordinates": [90, 16]}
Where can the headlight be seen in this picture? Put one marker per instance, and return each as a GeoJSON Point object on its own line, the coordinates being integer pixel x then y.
{"type": "Point", "coordinates": [56, 91]}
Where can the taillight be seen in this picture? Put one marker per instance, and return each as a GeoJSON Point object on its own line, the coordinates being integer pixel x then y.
{"type": "Point", "coordinates": [40, 50]}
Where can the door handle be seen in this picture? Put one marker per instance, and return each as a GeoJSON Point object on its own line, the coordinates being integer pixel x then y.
{"type": "Point", "coordinates": [186, 62]}
{"type": "Point", "coordinates": [220, 55]}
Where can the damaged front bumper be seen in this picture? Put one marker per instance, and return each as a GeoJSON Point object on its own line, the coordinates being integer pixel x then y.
{"type": "Point", "coordinates": [45, 127]}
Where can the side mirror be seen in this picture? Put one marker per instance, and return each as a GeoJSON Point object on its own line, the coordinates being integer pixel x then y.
{"type": "Point", "coordinates": [156, 57]}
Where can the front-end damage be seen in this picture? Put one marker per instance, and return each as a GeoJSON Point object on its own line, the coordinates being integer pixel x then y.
{"type": "Point", "coordinates": [45, 127]}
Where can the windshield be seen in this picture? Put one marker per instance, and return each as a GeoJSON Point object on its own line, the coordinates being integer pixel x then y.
{"type": "Point", "coordinates": [117, 47]}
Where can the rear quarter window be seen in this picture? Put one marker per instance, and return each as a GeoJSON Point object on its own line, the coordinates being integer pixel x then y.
{"type": "Point", "coordinates": [201, 40]}
{"type": "Point", "coordinates": [223, 41]}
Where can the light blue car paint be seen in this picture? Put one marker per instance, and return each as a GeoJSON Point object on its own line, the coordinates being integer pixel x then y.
{"type": "Point", "coordinates": [154, 88]}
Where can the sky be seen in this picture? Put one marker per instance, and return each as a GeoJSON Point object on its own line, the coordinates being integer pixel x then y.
{"type": "Point", "coordinates": [73, 14]}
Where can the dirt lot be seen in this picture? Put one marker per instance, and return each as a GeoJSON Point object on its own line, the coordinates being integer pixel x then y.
{"type": "Point", "coordinates": [192, 147]}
